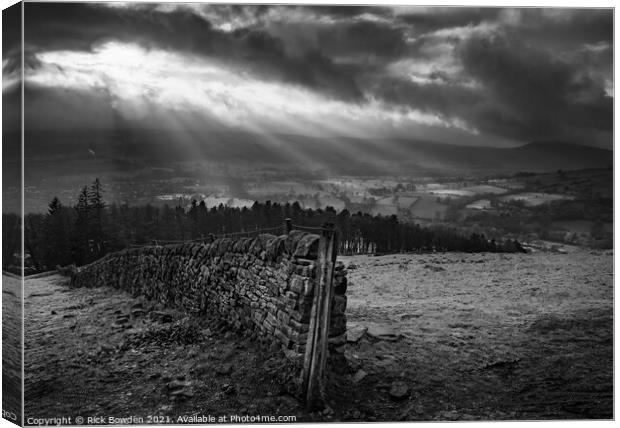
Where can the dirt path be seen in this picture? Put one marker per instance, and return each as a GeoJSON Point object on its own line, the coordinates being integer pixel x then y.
{"type": "Point", "coordinates": [92, 352]}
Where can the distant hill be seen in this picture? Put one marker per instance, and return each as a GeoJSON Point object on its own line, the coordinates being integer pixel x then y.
{"type": "Point", "coordinates": [127, 149]}
{"type": "Point", "coordinates": [548, 156]}
{"type": "Point", "coordinates": [444, 158]}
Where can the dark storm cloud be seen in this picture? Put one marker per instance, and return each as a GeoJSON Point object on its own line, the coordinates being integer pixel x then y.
{"type": "Point", "coordinates": [528, 74]}
{"type": "Point", "coordinates": [537, 94]}
{"type": "Point", "coordinates": [349, 11]}
{"type": "Point", "coordinates": [74, 26]}
{"type": "Point", "coordinates": [438, 97]}
{"type": "Point", "coordinates": [363, 37]}
{"type": "Point", "coordinates": [312, 69]}
{"type": "Point", "coordinates": [11, 30]}
{"type": "Point", "coordinates": [522, 74]}
{"type": "Point", "coordinates": [11, 76]}
{"type": "Point", "coordinates": [518, 91]}
{"type": "Point", "coordinates": [80, 27]}
{"type": "Point", "coordinates": [564, 28]}
{"type": "Point", "coordinates": [433, 19]}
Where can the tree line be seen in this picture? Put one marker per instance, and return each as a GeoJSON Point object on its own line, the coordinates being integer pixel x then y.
{"type": "Point", "coordinates": [91, 228]}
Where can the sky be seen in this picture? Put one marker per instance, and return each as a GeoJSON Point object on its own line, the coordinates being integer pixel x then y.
{"type": "Point", "coordinates": [462, 75]}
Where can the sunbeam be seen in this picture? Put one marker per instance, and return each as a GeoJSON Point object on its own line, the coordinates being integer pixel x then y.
{"type": "Point", "coordinates": [141, 80]}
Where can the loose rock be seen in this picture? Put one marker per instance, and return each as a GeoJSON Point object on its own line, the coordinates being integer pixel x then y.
{"type": "Point", "coordinates": [354, 334]}
{"type": "Point", "coordinates": [399, 390]}
{"type": "Point", "coordinates": [224, 369]}
{"type": "Point", "coordinates": [359, 375]}
{"type": "Point", "coordinates": [383, 333]}
{"type": "Point", "coordinates": [228, 389]}
{"type": "Point", "coordinates": [176, 385]}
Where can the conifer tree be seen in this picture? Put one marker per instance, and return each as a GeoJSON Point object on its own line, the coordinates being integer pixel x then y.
{"type": "Point", "coordinates": [56, 230]}
{"type": "Point", "coordinates": [81, 238]}
{"type": "Point", "coordinates": [96, 216]}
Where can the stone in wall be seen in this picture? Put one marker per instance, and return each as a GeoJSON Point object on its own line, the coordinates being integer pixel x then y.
{"type": "Point", "coordinates": [338, 321]}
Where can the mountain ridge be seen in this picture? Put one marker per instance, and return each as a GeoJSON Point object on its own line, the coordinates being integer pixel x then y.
{"type": "Point", "coordinates": [339, 155]}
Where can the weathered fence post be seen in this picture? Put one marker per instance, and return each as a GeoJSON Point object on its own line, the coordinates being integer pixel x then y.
{"type": "Point", "coordinates": [313, 375]}
{"type": "Point", "coordinates": [289, 225]}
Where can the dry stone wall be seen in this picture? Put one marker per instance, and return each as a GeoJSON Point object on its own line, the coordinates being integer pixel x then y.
{"type": "Point", "coordinates": [264, 285]}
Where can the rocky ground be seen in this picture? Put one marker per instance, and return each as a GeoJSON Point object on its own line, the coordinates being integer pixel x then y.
{"type": "Point", "coordinates": [433, 337]}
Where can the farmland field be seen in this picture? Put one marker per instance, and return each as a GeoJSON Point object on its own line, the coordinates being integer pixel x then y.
{"type": "Point", "coordinates": [482, 204]}
{"type": "Point", "coordinates": [485, 188]}
{"type": "Point", "coordinates": [427, 207]}
{"type": "Point", "coordinates": [534, 198]}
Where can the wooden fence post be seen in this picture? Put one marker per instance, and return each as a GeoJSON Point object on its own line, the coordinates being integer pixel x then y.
{"type": "Point", "coordinates": [313, 375]}
{"type": "Point", "coordinates": [288, 224]}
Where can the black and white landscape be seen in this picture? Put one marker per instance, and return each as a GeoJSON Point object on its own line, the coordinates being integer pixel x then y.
{"type": "Point", "coordinates": [465, 155]}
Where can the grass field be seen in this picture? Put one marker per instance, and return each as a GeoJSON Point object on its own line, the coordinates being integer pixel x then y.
{"type": "Point", "coordinates": [486, 336]}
